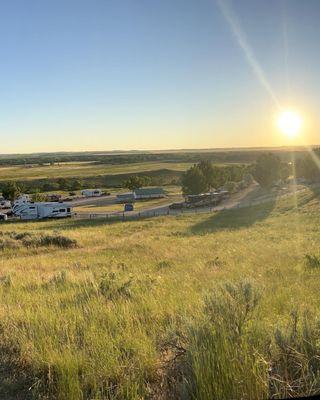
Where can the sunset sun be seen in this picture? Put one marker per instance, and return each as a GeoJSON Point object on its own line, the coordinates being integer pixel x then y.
{"type": "Point", "coordinates": [290, 123]}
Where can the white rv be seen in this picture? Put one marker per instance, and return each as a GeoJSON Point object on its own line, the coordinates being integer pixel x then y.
{"type": "Point", "coordinates": [91, 192]}
{"type": "Point", "coordinates": [29, 210]}
{"type": "Point", "coordinates": [5, 203]}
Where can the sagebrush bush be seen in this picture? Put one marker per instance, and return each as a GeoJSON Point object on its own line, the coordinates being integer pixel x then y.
{"type": "Point", "coordinates": [312, 261]}
{"type": "Point", "coordinates": [111, 286]}
{"type": "Point", "coordinates": [220, 360]}
{"type": "Point", "coordinates": [11, 240]}
{"type": "Point", "coordinates": [59, 279]}
{"type": "Point", "coordinates": [8, 243]}
{"type": "Point", "coordinates": [295, 363]}
{"type": "Point", "coordinates": [164, 264]}
{"type": "Point", "coordinates": [57, 240]}
{"type": "Point", "coordinates": [232, 304]}
{"type": "Point", "coordinates": [6, 280]}
{"type": "Point", "coordinates": [215, 263]}
{"type": "Point", "coordinates": [20, 235]}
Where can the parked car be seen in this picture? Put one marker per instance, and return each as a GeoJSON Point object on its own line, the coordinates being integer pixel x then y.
{"type": "Point", "coordinates": [128, 207]}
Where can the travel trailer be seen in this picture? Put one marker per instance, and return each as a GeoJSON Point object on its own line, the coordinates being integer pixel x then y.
{"type": "Point", "coordinates": [40, 210]}
{"type": "Point", "coordinates": [5, 204]}
{"type": "Point", "coordinates": [91, 192]}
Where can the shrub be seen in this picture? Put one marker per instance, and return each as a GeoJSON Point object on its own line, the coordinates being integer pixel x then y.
{"type": "Point", "coordinates": [57, 240]}
{"type": "Point", "coordinates": [20, 235]}
{"type": "Point", "coordinates": [112, 287]}
{"type": "Point", "coordinates": [164, 264]}
{"type": "Point", "coordinates": [232, 305]}
{"type": "Point", "coordinates": [215, 263]}
{"type": "Point", "coordinates": [6, 280]}
{"type": "Point", "coordinates": [60, 279]}
{"type": "Point", "coordinates": [8, 243]}
{"type": "Point", "coordinates": [295, 364]}
{"type": "Point", "coordinates": [312, 261]}
{"type": "Point", "coordinates": [28, 239]}
{"type": "Point", "coordinates": [220, 361]}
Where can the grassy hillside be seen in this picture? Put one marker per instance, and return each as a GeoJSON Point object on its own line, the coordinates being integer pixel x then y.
{"type": "Point", "coordinates": [204, 306]}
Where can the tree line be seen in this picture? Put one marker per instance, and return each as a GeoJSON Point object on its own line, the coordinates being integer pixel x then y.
{"type": "Point", "coordinates": [267, 170]}
{"type": "Point", "coordinates": [227, 156]}
{"type": "Point", "coordinates": [205, 176]}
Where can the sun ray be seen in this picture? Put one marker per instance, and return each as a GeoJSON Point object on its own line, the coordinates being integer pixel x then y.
{"type": "Point", "coordinates": [242, 41]}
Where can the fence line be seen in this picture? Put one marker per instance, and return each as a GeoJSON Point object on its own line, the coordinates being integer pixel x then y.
{"type": "Point", "coordinates": [129, 215]}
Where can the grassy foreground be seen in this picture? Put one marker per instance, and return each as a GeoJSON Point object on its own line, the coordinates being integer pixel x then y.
{"type": "Point", "coordinates": [193, 307]}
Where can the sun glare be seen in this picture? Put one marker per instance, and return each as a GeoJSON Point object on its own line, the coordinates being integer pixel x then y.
{"type": "Point", "coordinates": [289, 123]}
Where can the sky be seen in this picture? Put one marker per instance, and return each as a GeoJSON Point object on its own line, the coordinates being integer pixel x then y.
{"type": "Point", "coordinates": [156, 74]}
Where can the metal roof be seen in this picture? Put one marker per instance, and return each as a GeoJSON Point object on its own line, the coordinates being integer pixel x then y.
{"type": "Point", "coordinates": [125, 195]}
{"type": "Point", "coordinates": [147, 191]}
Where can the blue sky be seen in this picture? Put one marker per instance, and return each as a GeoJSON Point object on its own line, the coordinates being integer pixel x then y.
{"type": "Point", "coordinates": [153, 74]}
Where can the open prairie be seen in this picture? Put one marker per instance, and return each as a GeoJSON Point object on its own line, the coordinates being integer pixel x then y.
{"type": "Point", "coordinates": [83, 169]}
{"type": "Point", "coordinates": [203, 306]}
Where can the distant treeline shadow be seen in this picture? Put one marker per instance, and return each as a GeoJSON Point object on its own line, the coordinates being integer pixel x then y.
{"type": "Point", "coordinates": [235, 218]}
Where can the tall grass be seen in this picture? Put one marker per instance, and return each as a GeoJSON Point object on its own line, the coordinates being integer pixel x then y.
{"type": "Point", "coordinates": [158, 309]}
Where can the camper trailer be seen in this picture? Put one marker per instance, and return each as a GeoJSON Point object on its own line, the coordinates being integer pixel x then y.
{"type": "Point", "coordinates": [5, 204]}
{"type": "Point", "coordinates": [91, 192]}
{"type": "Point", "coordinates": [29, 210]}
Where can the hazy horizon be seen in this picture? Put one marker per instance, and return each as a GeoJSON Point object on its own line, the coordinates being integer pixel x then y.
{"type": "Point", "coordinates": [169, 150]}
{"type": "Point", "coordinates": [139, 75]}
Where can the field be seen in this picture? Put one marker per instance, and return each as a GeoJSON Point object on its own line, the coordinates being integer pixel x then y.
{"type": "Point", "coordinates": [210, 306]}
{"type": "Point", "coordinates": [84, 169]}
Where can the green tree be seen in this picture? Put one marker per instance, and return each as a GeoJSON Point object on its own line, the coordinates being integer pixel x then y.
{"type": "Point", "coordinates": [220, 176]}
{"type": "Point", "coordinates": [11, 191]}
{"type": "Point", "coordinates": [208, 173]}
{"type": "Point", "coordinates": [49, 185]}
{"type": "Point", "coordinates": [267, 169]}
{"type": "Point", "coordinates": [62, 183]}
{"type": "Point", "coordinates": [247, 178]}
{"type": "Point", "coordinates": [147, 180]}
{"type": "Point", "coordinates": [134, 182]}
{"type": "Point", "coordinates": [193, 181]}
{"type": "Point", "coordinates": [307, 168]}
{"type": "Point", "coordinates": [285, 170]}
{"type": "Point", "coordinates": [75, 185]}
{"type": "Point", "coordinates": [37, 196]}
